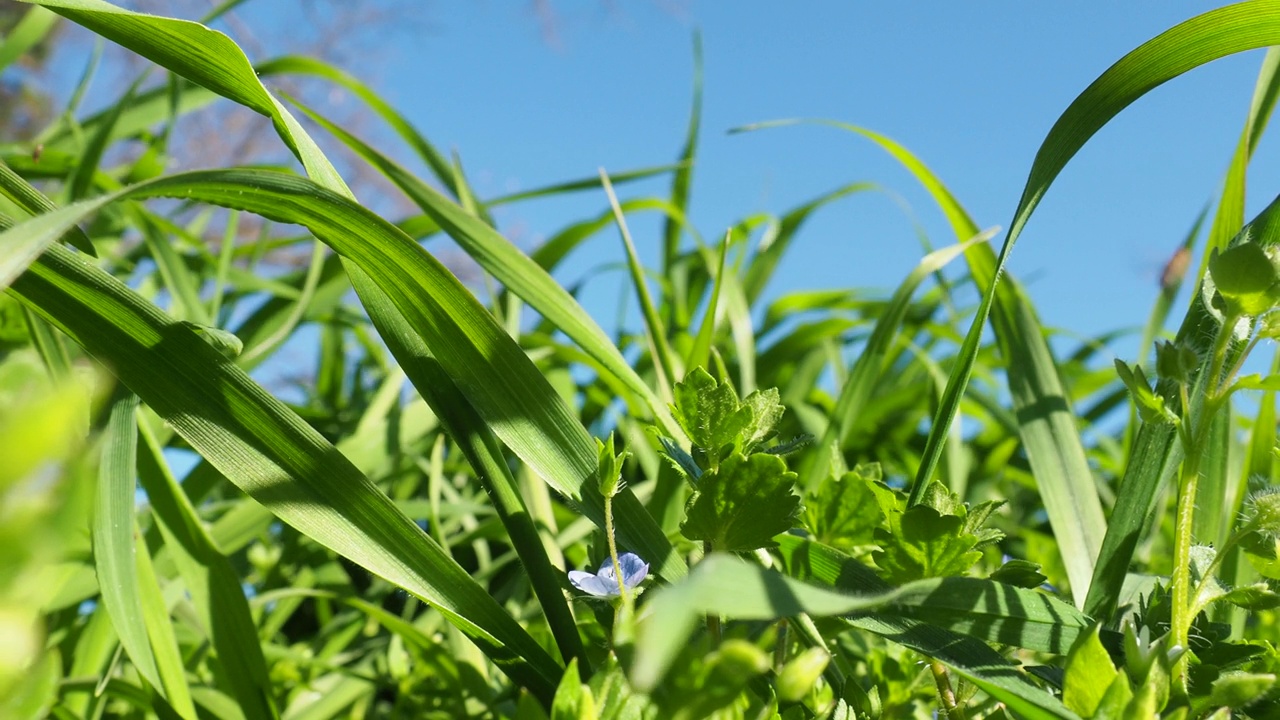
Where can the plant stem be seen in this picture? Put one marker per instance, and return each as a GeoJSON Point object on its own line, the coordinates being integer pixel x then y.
{"type": "Point", "coordinates": [1181, 581]}
{"type": "Point", "coordinates": [1194, 435]}
{"type": "Point", "coordinates": [713, 620]}
{"type": "Point", "coordinates": [613, 549]}
{"type": "Point", "coordinates": [945, 695]}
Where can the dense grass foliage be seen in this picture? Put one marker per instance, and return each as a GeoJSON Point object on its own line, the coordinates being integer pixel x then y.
{"type": "Point", "coordinates": [485, 505]}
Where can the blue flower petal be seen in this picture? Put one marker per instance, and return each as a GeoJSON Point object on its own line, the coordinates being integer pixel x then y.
{"type": "Point", "coordinates": [592, 584]}
{"type": "Point", "coordinates": [604, 583]}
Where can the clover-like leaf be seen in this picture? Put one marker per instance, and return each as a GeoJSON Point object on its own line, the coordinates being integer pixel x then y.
{"type": "Point", "coordinates": [710, 412]}
{"type": "Point", "coordinates": [844, 512]}
{"type": "Point", "coordinates": [742, 504]}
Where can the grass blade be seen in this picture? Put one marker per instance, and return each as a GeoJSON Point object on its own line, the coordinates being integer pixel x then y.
{"type": "Point", "coordinates": [258, 443]}
{"type": "Point", "coordinates": [1046, 422]}
{"type": "Point", "coordinates": [727, 585]}
{"type": "Point", "coordinates": [210, 579]}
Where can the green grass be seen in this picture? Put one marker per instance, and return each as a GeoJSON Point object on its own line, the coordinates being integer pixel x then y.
{"type": "Point", "coordinates": [395, 542]}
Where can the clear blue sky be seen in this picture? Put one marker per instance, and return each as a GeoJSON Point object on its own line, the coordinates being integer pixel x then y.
{"type": "Point", "coordinates": [971, 88]}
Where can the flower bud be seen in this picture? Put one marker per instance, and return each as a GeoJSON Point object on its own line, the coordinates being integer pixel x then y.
{"type": "Point", "coordinates": [798, 677]}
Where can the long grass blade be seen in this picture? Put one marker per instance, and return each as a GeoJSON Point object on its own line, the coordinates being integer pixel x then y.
{"type": "Point", "coordinates": [1046, 422]}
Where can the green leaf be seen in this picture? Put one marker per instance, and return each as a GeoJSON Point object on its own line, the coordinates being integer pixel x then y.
{"type": "Point", "coordinates": [726, 585]}
{"type": "Point", "coordinates": [766, 410]}
{"type": "Point", "coordinates": [113, 543]}
{"type": "Point", "coordinates": [1089, 674]}
{"type": "Point", "coordinates": [1151, 407]}
{"type": "Point", "coordinates": [710, 412]}
{"type": "Point", "coordinates": [1239, 689]}
{"type": "Point", "coordinates": [255, 441]}
{"type": "Point", "coordinates": [843, 512]}
{"type": "Point", "coordinates": [26, 34]}
{"type": "Point", "coordinates": [573, 700]}
{"type": "Point", "coordinates": [210, 579]}
{"type": "Point", "coordinates": [742, 504]}
{"type": "Point", "coordinates": [1257, 596]}
{"type": "Point", "coordinates": [1246, 280]}
{"type": "Point", "coordinates": [928, 540]}
{"type": "Point", "coordinates": [1019, 573]}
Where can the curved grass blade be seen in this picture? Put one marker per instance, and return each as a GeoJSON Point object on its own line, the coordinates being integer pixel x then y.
{"type": "Point", "coordinates": [762, 266]}
{"type": "Point", "coordinates": [125, 577]}
{"type": "Point", "coordinates": [729, 586]}
{"type": "Point", "coordinates": [113, 545]}
{"type": "Point", "coordinates": [701, 351]}
{"type": "Point", "coordinates": [509, 265]}
{"type": "Point", "coordinates": [256, 442]}
{"type": "Point", "coordinates": [1046, 423]}
{"type": "Point", "coordinates": [26, 34]}
{"type": "Point", "coordinates": [1155, 452]}
{"type": "Point", "coordinates": [16, 256]}
{"type": "Point", "coordinates": [494, 373]}
{"type": "Point", "coordinates": [497, 377]}
{"type": "Point", "coordinates": [655, 331]}
{"type": "Point", "coordinates": [982, 609]}
{"type": "Point", "coordinates": [210, 579]}
{"type": "Point", "coordinates": [871, 364]}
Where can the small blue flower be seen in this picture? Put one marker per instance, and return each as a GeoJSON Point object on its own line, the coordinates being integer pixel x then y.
{"type": "Point", "coordinates": [604, 583]}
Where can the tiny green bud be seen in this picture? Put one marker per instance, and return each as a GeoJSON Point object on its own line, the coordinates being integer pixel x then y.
{"type": "Point", "coordinates": [799, 675]}
{"type": "Point", "coordinates": [740, 660]}
{"type": "Point", "coordinates": [1246, 279]}
{"type": "Point", "coordinates": [1176, 361]}
{"type": "Point", "coordinates": [1265, 512]}
{"type": "Point", "coordinates": [609, 467]}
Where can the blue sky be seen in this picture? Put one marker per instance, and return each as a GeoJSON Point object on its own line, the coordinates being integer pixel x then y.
{"type": "Point", "coordinates": [971, 88]}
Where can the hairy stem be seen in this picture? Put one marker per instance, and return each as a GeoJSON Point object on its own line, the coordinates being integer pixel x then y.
{"type": "Point", "coordinates": [950, 708]}
{"type": "Point", "coordinates": [613, 548]}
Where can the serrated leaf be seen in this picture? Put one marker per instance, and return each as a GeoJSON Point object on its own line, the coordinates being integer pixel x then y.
{"type": "Point", "coordinates": [924, 541]}
{"type": "Point", "coordinates": [709, 411]}
{"type": "Point", "coordinates": [843, 512]}
{"type": "Point", "coordinates": [766, 410]}
{"type": "Point", "coordinates": [742, 504]}
{"type": "Point", "coordinates": [920, 543]}
{"type": "Point", "coordinates": [976, 517]}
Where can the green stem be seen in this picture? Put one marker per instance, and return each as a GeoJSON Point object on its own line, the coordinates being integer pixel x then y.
{"type": "Point", "coordinates": [950, 708]}
{"type": "Point", "coordinates": [1194, 436]}
{"type": "Point", "coordinates": [713, 620]}
{"type": "Point", "coordinates": [613, 549]}
{"type": "Point", "coordinates": [1181, 617]}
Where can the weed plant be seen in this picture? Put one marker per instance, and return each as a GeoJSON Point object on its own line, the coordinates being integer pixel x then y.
{"type": "Point", "coordinates": [495, 509]}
